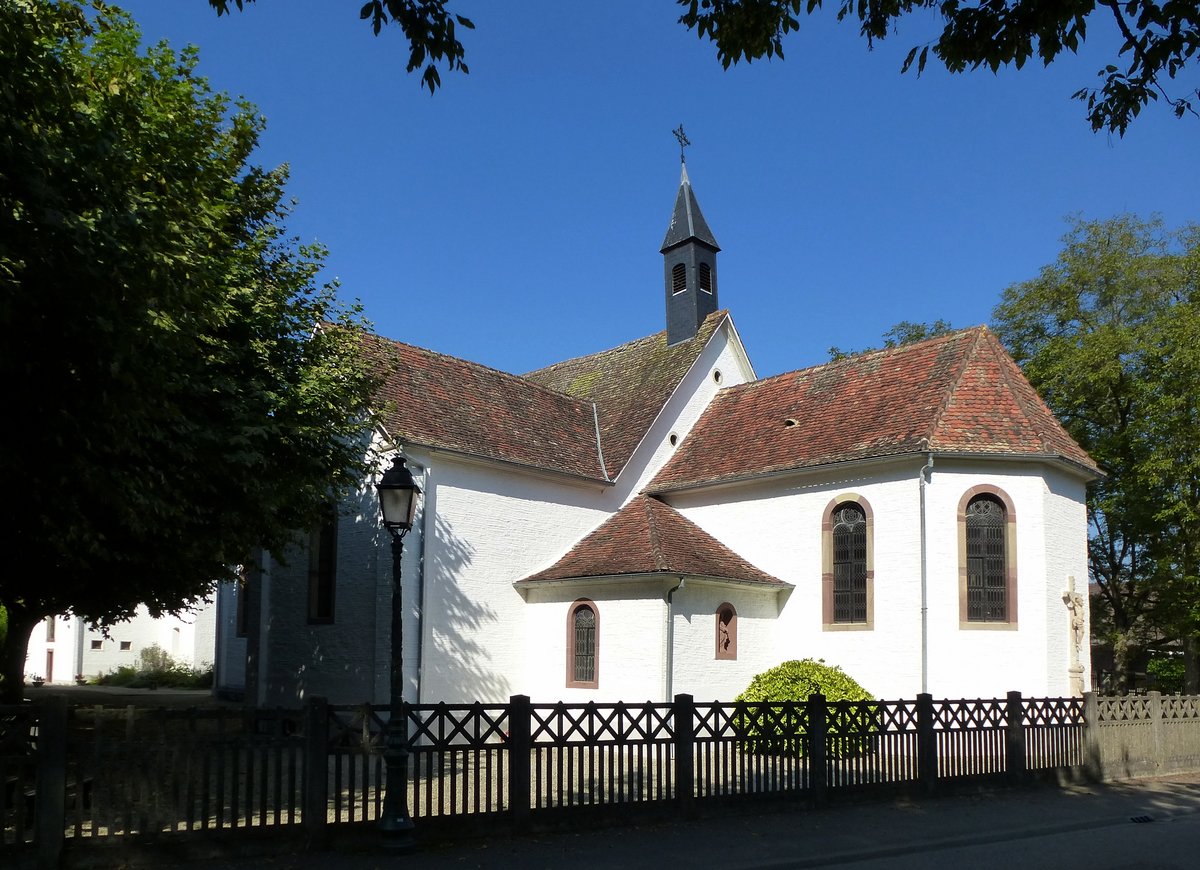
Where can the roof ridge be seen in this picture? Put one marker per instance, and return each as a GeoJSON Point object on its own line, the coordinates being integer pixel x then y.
{"type": "Point", "coordinates": [656, 550]}
{"type": "Point", "coordinates": [955, 383]}
{"type": "Point", "coordinates": [856, 359]}
{"type": "Point", "coordinates": [719, 313]}
{"type": "Point", "coordinates": [1007, 363]}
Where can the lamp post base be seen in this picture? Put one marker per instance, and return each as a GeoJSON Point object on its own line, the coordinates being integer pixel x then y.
{"type": "Point", "coordinates": [397, 833]}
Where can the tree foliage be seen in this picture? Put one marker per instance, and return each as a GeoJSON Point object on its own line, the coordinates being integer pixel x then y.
{"type": "Point", "coordinates": [1110, 336]}
{"type": "Point", "coordinates": [904, 332]}
{"type": "Point", "coordinates": [797, 679]}
{"type": "Point", "coordinates": [180, 390]}
{"type": "Point", "coordinates": [430, 29]}
{"type": "Point", "coordinates": [1159, 40]}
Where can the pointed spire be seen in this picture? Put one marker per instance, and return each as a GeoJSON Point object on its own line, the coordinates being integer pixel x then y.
{"type": "Point", "coordinates": [687, 222]}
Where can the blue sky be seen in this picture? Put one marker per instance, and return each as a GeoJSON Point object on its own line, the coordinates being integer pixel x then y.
{"type": "Point", "coordinates": [515, 217]}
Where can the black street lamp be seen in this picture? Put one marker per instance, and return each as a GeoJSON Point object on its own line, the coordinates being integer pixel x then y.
{"type": "Point", "coordinates": [398, 502]}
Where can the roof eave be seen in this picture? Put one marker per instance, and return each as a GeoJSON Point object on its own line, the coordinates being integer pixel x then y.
{"type": "Point", "coordinates": [466, 456]}
{"type": "Point", "coordinates": [1077, 468]}
{"type": "Point", "coordinates": [665, 578]}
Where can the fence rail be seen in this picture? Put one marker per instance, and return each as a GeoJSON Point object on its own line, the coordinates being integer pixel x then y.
{"type": "Point", "coordinates": [96, 774]}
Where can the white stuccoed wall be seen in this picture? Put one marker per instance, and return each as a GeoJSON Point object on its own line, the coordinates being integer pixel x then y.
{"type": "Point", "coordinates": [1065, 512]}
{"type": "Point", "coordinates": [697, 671]}
{"type": "Point", "coordinates": [230, 649]}
{"type": "Point", "coordinates": [632, 626]}
{"type": "Point", "coordinates": [335, 661]}
{"type": "Point", "coordinates": [777, 526]}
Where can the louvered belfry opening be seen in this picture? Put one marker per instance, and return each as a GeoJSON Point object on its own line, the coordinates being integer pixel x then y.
{"type": "Point", "coordinates": [584, 670]}
{"type": "Point", "coordinates": [987, 588]}
{"type": "Point", "coordinates": [706, 278]}
{"type": "Point", "coordinates": [678, 278]}
{"type": "Point", "coordinates": [849, 564]}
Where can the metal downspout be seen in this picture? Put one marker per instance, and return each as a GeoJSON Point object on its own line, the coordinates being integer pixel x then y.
{"type": "Point", "coordinates": [925, 474]}
{"type": "Point", "coordinates": [426, 471]}
{"type": "Point", "coordinates": [669, 665]}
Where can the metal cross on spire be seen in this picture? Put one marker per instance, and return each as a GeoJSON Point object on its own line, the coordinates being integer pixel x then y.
{"type": "Point", "coordinates": [684, 141]}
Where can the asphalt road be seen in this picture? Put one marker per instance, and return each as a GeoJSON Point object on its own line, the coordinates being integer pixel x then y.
{"type": "Point", "coordinates": [1090, 827]}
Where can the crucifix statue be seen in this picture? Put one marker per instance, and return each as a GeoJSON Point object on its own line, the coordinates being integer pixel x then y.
{"type": "Point", "coordinates": [684, 141]}
{"type": "Point", "coordinates": [1074, 602]}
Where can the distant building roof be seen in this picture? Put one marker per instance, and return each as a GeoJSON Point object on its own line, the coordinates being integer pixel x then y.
{"type": "Point", "coordinates": [960, 393]}
{"type": "Point", "coordinates": [649, 537]}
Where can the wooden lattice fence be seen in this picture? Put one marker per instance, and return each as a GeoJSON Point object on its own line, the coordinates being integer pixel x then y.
{"type": "Point", "coordinates": [94, 774]}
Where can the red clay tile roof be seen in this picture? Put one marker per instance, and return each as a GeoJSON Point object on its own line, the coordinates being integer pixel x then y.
{"type": "Point", "coordinates": [629, 384]}
{"type": "Point", "coordinates": [957, 393]}
{"type": "Point", "coordinates": [440, 401]}
{"type": "Point", "coordinates": [649, 537]}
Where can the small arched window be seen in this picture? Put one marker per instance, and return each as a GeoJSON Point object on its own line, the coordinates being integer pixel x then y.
{"type": "Point", "coordinates": [726, 632]}
{"type": "Point", "coordinates": [583, 645]}
{"type": "Point", "coordinates": [706, 278]}
{"type": "Point", "coordinates": [987, 574]}
{"type": "Point", "coordinates": [678, 278]}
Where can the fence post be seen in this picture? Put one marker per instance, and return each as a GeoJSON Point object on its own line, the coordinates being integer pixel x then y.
{"type": "Point", "coordinates": [1156, 730]}
{"type": "Point", "coordinates": [316, 771]}
{"type": "Point", "coordinates": [818, 720]}
{"type": "Point", "coordinates": [684, 725]}
{"type": "Point", "coordinates": [520, 745]}
{"type": "Point", "coordinates": [50, 802]}
{"type": "Point", "coordinates": [927, 761]}
{"type": "Point", "coordinates": [1014, 738]}
{"type": "Point", "coordinates": [1093, 765]}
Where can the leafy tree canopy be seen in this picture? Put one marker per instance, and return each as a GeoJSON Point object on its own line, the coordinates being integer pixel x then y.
{"type": "Point", "coordinates": [1159, 40]}
{"type": "Point", "coordinates": [1110, 336]}
{"type": "Point", "coordinates": [904, 332]}
{"type": "Point", "coordinates": [179, 389]}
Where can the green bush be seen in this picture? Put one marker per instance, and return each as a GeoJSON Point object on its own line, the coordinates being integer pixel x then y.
{"type": "Point", "coordinates": [156, 668]}
{"type": "Point", "coordinates": [769, 729]}
{"type": "Point", "coordinates": [1166, 672]}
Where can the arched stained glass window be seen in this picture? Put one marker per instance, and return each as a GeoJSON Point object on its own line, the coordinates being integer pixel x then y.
{"type": "Point", "coordinates": [987, 583]}
{"type": "Point", "coordinates": [583, 645]}
{"type": "Point", "coordinates": [849, 563]}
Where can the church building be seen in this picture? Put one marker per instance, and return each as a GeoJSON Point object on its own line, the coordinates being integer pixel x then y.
{"type": "Point", "coordinates": [655, 519]}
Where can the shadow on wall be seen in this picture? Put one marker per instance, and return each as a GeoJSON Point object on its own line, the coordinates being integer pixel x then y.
{"type": "Point", "coordinates": [336, 657]}
{"type": "Point", "coordinates": [457, 664]}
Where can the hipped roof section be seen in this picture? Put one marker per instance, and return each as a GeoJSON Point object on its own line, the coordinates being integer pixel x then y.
{"type": "Point", "coordinates": [960, 393]}
{"type": "Point", "coordinates": [443, 402]}
{"type": "Point", "coordinates": [648, 537]}
{"type": "Point", "coordinates": [561, 418]}
{"type": "Point", "coordinates": [630, 384]}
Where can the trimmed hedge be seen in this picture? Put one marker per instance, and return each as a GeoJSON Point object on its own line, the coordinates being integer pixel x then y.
{"type": "Point", "coordinates": [769, 728]}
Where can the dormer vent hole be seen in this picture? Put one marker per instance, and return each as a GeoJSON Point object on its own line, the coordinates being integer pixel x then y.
{"type": "Point", "coordinates": [790, 422]}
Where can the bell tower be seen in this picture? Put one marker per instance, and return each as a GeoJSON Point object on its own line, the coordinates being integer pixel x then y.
{"type": "Point", "coordinates": [689, 261]}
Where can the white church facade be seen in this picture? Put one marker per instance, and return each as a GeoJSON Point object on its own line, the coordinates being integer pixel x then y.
{"type": "Point", "coordinates": [655, 519]}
